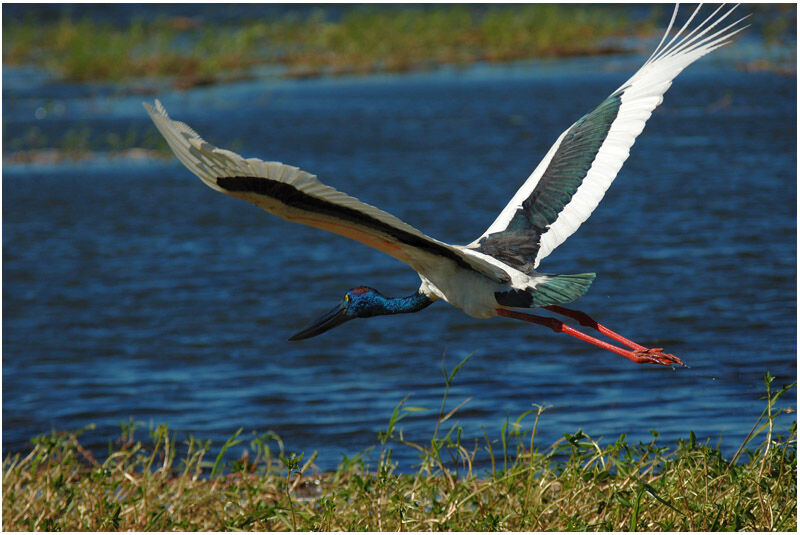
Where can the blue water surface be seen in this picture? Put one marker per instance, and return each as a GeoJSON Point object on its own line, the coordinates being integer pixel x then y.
{"type": "Point", "coordinates": [132, 290]}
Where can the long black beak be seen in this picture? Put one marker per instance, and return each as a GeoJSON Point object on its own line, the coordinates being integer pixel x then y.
{"type": "Point", "coordinates": [326, 322]}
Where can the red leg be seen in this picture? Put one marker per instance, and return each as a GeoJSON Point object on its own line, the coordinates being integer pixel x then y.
{"type": "Point", "coordinates": [585, 320]}
{"type": "Point", "coordinates": [643, 355]}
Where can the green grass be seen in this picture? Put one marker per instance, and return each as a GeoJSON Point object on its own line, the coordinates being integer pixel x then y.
{"type": "Point", "coordinates": [575, 484]}
{"type": "Point", "coordinates": [363, 39]}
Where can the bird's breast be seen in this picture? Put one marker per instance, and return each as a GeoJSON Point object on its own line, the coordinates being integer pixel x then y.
{"type": "Point", "coordinates": [471, 292]}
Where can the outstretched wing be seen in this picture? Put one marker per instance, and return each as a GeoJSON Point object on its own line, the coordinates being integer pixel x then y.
{"type": "Point", "coordinates": [571, 180]}
{"type": "Point", "coordinates": [298, 196]}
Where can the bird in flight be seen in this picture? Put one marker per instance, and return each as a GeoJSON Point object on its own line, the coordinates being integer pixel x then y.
{"type": "Point", "coordinates": [496, 274]}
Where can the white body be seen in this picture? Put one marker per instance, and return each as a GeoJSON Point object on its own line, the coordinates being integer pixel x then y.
{"type": "Point", "coordinates": [473, 292]}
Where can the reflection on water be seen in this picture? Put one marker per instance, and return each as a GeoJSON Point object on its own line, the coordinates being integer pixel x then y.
{"type": "Point", "coordinates": [130, 289]}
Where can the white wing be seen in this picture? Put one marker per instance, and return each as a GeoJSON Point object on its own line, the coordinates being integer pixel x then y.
{"type": "Point", "coordinates": [298, 196]}
{"type": "Point", "coordinates": [571, 180]}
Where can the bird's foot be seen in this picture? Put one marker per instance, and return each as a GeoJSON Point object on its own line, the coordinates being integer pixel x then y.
{"type": "Point", "coordinates": [656, 355]}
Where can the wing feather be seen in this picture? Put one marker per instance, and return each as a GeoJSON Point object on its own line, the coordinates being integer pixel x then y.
{"type": "Point", "coordinates": [536, 220]}
{"type": "Point", "coordinates": [295, 195]}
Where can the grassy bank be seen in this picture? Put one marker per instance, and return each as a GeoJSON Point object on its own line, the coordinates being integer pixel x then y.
{"type": "Point", "coordinates": [310, 42]}
{"type": "Point", "coordinates": [195, 51]}
{"type": "Point", "coordinates": [575, 484]}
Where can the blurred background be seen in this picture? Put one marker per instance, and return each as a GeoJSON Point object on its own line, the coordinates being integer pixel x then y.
{"type": "Point", "coordinates": [131, 292]}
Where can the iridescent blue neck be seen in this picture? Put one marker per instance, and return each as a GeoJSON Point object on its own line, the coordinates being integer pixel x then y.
{"type": "Point", "coordinates": [376, 304]}
{"type": "Point", "coordinates": [404, 305]}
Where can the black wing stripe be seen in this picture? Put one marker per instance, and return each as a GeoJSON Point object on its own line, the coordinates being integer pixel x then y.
{"type": "Point", "coordinates": [291, 196]}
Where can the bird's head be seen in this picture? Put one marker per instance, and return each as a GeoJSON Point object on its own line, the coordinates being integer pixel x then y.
{"type": "Point", "coordinates": [358, 302]}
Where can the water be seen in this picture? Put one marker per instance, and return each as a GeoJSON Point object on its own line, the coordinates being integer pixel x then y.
{"type": "Point", "coordinates": [131, 290]}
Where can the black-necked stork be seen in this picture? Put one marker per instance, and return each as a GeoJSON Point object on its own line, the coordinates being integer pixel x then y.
{"type": "Point", "coordinates": [497, 272]}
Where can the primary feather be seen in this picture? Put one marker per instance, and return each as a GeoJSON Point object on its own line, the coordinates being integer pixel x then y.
{"type": "Point", "coordinates": [574, 175]}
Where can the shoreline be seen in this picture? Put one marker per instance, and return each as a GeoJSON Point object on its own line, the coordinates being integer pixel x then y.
{"type": "Point", "coordinates": [574, 484]}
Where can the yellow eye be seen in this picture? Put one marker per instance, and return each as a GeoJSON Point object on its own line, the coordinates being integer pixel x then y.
{"type": "Point", "coordinates": [346, 298]}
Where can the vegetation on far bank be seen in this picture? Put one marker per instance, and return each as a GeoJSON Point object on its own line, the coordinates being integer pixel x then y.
{"type": "Point", "coordinates": [360, 39]}
{"type": "Point", "coordinates": [575, 484]}
{"type": "Point", "coordinates": [193, 51]}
